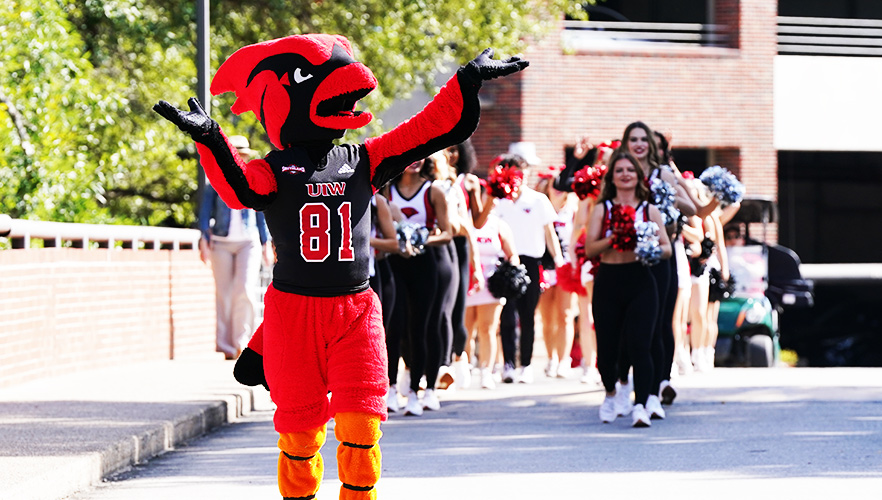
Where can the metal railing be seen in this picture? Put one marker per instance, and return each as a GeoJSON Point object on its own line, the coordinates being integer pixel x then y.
{"type": "Point", "coordinates": [818, 36]}
{"type": "Point", "coordinates": [59, 234]}
{"type": "Point", "coordinates": [842, 273]}
{"type": "Point", "coordinates": [615, 34]}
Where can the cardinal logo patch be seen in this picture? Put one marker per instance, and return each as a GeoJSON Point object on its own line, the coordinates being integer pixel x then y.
{"type": "Point", "coordinates": [293, 169]}
{"type": "Point", "coordinates": [409, 212]}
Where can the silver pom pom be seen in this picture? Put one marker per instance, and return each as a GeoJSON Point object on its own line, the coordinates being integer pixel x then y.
{"type": "Point", "coordinates": [648, 250]}
{"type": "Point", "coordinates": [723, 184]}
{"type": "Point", "coordinates": [663, 196]}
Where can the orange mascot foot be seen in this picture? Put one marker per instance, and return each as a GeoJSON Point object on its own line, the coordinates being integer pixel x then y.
{"type": "Point", "coordinates": [300, 464]}
{"type": "Point", "coordinates": [358, 455]}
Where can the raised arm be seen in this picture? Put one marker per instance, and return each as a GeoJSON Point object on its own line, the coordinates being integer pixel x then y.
{"type": "Point", "coordinates": [239, 184]}
{"type": "Point", "coordinates": [448, 119]}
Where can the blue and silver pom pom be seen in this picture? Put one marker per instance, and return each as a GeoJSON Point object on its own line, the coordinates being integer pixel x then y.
{"type": "Point", "coordinates": [723, 184]}
{"type": "Point", "coordinates": [663, 196]}
{"type": "Point", "coordinates": [648, 250]}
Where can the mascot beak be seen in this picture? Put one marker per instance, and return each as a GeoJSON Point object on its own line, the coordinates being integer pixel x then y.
{"type": "Point", "coordinates": [333, 104]}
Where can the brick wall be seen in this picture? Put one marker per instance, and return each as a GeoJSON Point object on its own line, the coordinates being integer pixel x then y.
{"type": "Point", "coordinates": [714, 98]}
{"type": "Point", "coordinates": [65, 310]}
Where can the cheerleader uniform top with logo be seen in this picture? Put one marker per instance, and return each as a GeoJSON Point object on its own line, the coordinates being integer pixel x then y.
{"type": "Point", "coordinates": [489, 248]}
{"type": "Point", "coordinates": [418, 208]}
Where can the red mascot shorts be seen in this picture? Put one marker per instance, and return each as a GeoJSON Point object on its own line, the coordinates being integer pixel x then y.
{"type": "Point", "coordinates": [313, 345]}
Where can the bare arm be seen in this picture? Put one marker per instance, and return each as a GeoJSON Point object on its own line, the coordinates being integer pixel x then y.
{"type": "Point", "coordinates": [720, 240]}
{"type": "Point", "coordinates": [488, 203]}
{"type": "Point", "coordinates": [388, 239]}
{"type": "Point", "coordinates": [439, 203]}
{"type": "Point", "coordinates": [553, 245]}
{"type": "Point", "coordinates": [663, 241]}
{"type": "Point", "coordinates": [580, 224]}
{"type": "Point", "coordinates": [594, 244]}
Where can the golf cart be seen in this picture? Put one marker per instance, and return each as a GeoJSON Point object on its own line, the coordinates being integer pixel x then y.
{"type": "Point", "coordinates": [767, 283]}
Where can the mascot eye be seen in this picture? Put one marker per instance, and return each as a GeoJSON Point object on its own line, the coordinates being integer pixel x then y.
{"type": "Point", "coordinates": [299, 77]}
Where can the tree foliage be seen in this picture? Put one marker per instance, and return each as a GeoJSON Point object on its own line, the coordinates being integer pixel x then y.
{"type": "Point", "coordinates": [78, 78]}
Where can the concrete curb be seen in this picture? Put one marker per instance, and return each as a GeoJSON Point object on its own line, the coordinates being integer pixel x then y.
{"type": "Point", "coordinates": [159, 414]}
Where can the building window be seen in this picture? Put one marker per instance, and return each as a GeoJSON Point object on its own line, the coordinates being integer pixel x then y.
{"type": "Point", "coordinates": [641, 24]}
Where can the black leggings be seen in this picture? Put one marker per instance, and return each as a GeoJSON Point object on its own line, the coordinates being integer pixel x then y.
{"type": "Point", "coordinates": [668, 319]}
{"type": "Point", "coordinates": [460, 334]}
{"type": "Point", "coordinates": [625, 308]}
{"type": "Point", "coordinates": [523, 309]}
{"type": "Point", "coordinates": [383, 284]}
{"type": "Point", "coordinates": [438, 348]}
{"type": "Point", "coordinates": [661, 274]}
{"type": "Point", "coordinates": [416, 283]}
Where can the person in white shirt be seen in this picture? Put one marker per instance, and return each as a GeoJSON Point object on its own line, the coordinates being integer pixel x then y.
{"type": "Point", "coordinates": [531, 217]}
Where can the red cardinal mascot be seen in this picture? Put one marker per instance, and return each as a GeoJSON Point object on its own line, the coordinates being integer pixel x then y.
{"type": "Point", "coordinates": [322, 331]}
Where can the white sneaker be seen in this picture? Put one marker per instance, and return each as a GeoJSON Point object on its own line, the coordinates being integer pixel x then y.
{"type": "Point", "coordinates": [698, 359]}
{"type": "Point", "coordinates": [608, 411]}
{"type": "Point", "coordinates": [392, 403]}
{"type": "Point", "coordinates": [682, 361]}
{"type": "Point", "coordinates": [462, 372]}
{"type": "Point", "coordinates": [654, 408]}
{"type": "Point", "coordinates": [551, 368]}
{"type": "Point", "coordinates": [430, 400]}
{"type": "Point", "coordinates": [564, 368]}
{"type": "Point", "coordinates": [413, 407]}
{"type": "Point", "coordinates": [404, 379]}
{"type": "Point", "coordinates": [710, 355]}
{"type": "Point", "coordinates": [623, 399]}
{"type": "Point", "coordinates": [639, 416]}
{"type": "Point", "coordinates": [446, 379]}
{"type": "Point", "coordinates": [590, 375]}
{"type": "Point", "coordinates": [667, 392]}
{"type": "Point", "coordinates": [487, 381]}
{"type": "Point", "coordinates": [508, 374]}
{"type": "Point", "coordinates": [525, 374]}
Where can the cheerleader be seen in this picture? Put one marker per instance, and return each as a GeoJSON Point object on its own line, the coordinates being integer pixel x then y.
{"type": "Point", "coordinates": [625, 301]}
{"type": "Point", "coordinates": [641, 142]}
{"type": "Point", "coordinates": [482, 308]}
{"type": "Point", "coordinates": [416, 286]}
{"type": "Point", "coordinates": [557, 304]}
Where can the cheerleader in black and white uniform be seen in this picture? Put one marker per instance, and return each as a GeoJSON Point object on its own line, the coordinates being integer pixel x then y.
{"type": "Point", "coordinates": [625, 297]}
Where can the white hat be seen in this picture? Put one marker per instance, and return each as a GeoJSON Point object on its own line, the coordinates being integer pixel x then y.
{"type": "Point", "coordinates": [526, 150]}
{"type": "Point", "coordinates": [240, 142]}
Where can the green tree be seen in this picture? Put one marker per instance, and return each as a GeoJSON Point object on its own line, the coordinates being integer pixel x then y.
{"type": "Point", "coordinates": [78, 79]}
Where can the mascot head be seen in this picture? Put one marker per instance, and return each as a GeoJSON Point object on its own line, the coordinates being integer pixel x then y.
{"type": "Point", "coordinates": [303, 88]}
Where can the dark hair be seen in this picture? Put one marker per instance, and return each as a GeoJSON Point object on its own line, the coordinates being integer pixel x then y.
{"type": "Point", "coordinates": [427, 171]}
{"type": "Point", "coordinates": [608, 189]}
{"type": "Point", "coordinates": [664, 149]}
{"type": "Point", "coordinates": [467, 159]}
{"type": "Point", "coordinates": [509, 160]}
{"type": "Point", "coordinates": [652, 157]}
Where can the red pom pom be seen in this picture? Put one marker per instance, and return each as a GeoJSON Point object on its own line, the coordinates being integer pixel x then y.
{"type": "Point", "coordinates": [569, 280]}
{"type": "Point", "coordinates": [687, 174]}
{"type": "Point", "coordinates": [610, 145]}
{"type": "Point", "coordinates": [586, 182]}
{"type": "Point", "coordinates": [624, 237]}
{"type": "Point", "coordinates": [503, 181]}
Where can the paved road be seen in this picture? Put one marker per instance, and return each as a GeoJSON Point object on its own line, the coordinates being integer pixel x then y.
{"type": "Point", "coordinates": [733, 433]}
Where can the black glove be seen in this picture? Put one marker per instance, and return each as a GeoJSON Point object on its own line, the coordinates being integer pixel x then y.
{"type": "Point", "coordinates": [249, 368]}
{"type": "Point", "coordinates": [197, 123]}
{"type": "Point", "coordinates": [484, 67]}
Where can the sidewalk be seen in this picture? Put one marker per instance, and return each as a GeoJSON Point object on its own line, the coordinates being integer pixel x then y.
{"type": "Point", "coordinates": [61, 435]}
